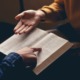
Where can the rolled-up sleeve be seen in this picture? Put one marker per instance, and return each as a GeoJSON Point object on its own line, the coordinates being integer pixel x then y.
{"type": "Point", "coordinates": [55, 11]}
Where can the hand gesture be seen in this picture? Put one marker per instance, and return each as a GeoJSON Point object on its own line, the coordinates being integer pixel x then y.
{"type": "Point", "coordinates": [28, 20]}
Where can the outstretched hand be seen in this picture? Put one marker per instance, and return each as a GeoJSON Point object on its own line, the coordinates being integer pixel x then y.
{"type": "Point", "coordinates": [28, 20]}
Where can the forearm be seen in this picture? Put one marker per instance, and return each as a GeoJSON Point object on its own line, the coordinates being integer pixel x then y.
{"type": "Point", "coordinates": [55, 11]}
{"type": "Point", "coordinates": [9, 63]}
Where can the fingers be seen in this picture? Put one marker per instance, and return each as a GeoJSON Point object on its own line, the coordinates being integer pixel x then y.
{"type": "Point", "coordinates": [19, 16]}
{"type": "Point", "coordinates": [21, 28]}
{"type": "Point", "coordinates": [28, 29]}
{"type": "Point", "coordinates": [36, 49]}
{"type": "Point", "coordinates": [18, 25]}
{"type": "Point", "coordinates": [18, 31]}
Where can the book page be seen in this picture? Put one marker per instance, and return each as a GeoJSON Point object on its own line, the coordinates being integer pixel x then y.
{"type": "Point", "coordinates": [17, 42]}
{"type": "Point", "coordinates": [50, 44]}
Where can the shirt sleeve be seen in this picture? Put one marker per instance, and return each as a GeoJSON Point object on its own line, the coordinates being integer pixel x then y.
{"type": "Point", "coordinates": [55, 11]}
{"type": "Point", "coordinates": [9, 63]}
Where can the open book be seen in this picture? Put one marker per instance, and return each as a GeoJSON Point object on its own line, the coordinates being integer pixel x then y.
{"type": "Point", "coordinates": [52, 46]}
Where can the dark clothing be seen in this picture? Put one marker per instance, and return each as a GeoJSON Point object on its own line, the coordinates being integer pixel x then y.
{"type": "Point", "coordinates": [6, 30]}
{"type": "Point", "coordinates": [68, 31]}
{"type": "Point", "coordinates": [9, 64]}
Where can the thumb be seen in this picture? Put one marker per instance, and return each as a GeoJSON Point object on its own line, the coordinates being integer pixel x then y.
{"type": "Point", "coordinates": [19, 16]}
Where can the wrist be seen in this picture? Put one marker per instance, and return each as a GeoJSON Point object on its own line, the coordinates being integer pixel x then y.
{"type": "Point", "coordinates": [41, 14]}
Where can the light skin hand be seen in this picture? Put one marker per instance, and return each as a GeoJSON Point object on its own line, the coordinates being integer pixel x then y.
{"type": "Point", "coordinates": [29, 56]}
{"type": "Point", "coordinates": [28, 20]}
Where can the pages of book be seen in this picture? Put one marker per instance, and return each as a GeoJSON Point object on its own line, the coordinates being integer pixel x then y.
{"type": "Point", "coordinates": [52, 46]}
{"type": "Point", "coordinates": [17, 42]}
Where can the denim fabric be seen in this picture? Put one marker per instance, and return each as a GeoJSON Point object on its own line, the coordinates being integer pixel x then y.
{"type": "Point", "coordinates": [9, 64]}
